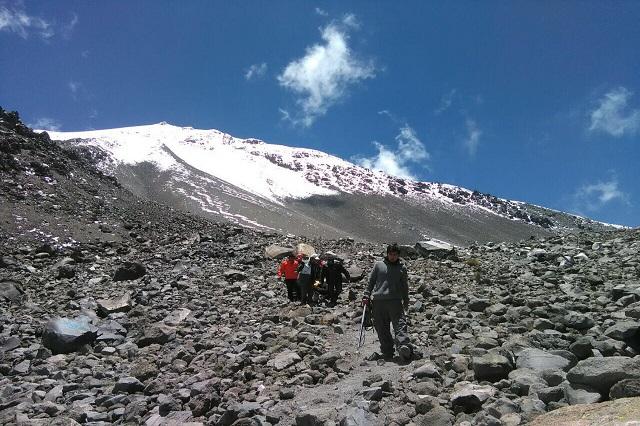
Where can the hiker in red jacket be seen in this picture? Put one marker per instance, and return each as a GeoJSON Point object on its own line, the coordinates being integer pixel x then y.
{"type": "Point", "coordinates": [289, 270]}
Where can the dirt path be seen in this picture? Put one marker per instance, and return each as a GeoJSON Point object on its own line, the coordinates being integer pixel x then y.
{"type": "Point", "coordinates": [336, 398]}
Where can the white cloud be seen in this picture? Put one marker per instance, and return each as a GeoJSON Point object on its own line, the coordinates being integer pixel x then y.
{"type": "Point", "coordinates": [612, 116]}
{"type": "Point", "coordinates": [324, 74]}
{"type": "Point", "coordinates": [596, 195]}
{"type": "Point", "coordinates": [321, 12]}
{"type": "Point", "coordinates": [446, 101]}
{"type": "Point", "coordinates": [67, 29]}
{"type": "Point", "coordinates": [410, 150]}
{"type": "Point", "coordinates": [74, 86]}
{"type": "Point", "coordinates": [46, 123]}
{"type": "Point", "coordinates": [473, 136]}
{"type": "Point", "coordinates": [17, 21]}
{"type": "Point", "coordinates": [255, 71]}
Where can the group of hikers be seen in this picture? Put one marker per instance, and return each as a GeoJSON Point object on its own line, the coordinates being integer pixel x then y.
{"type": "Point", "coordinates": [302, 274]}
{"type": "Point", "coordinates": [386, 296]}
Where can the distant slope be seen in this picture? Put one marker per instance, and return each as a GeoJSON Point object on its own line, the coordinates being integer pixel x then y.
{"type": "Point", "coordinates": [302, 191]}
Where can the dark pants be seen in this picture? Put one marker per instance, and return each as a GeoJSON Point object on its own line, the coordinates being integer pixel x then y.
{"type": "Point", "coordinates": [305, 284]}
{"type": "Point", "coordinates": [333, 290]}
{"type": "Point", "coordinates": [292, 290]}
{"type": "Point", "coordinates": [386, 313]}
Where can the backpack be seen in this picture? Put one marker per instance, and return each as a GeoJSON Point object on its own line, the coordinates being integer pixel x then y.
{"type": "Point", "coordinates": [306, 269]}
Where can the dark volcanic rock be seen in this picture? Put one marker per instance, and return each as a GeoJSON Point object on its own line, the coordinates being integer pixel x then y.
{"type": "Point", "coordinates": [491, 367]}
{"type": "Point", "coordinates": [159, 333]}
{"type": "Point", "coordinates": [625, 389]}
{"type": "Point", "coordinates": [603, 373]}
{"type": "Point", "coordinates": [65, 335]}
{"type": "Point", "coordinates": [11, 291]}
{"type": "Point", "coordinates": [129, 271]}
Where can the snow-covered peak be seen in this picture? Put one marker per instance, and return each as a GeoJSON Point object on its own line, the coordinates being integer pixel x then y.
{"type": "Point", "coordinates": [274, 172]}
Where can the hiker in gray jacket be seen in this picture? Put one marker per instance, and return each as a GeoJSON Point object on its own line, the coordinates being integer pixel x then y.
{"type": "Point", "coordinates": [388, 293]}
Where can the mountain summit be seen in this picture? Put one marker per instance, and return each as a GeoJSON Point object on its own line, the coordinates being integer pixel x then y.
{"type": "Point", "coordinates": [273, 187]}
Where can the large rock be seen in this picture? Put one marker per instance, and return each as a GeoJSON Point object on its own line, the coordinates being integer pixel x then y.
{"type": "Point", "coordinates": [602, 373]}
{"type": "Point", "coordinates": [66, 335]}
{"type": "Point", "coordinates": [356, 416]}
{"type": "Point", "coordinates": [626, 331]}
{"type": "Point", "coordinates": [128, 385]}
{"type": "Point", "coordinates": [11, 291]}
{"type": "Point", "coordinates": [355, 273]}
{"type": "Point", "coordinates": [129, 271]}
{"type": "Point", "coordinates": [275, 251]}
{"type": "Point", "coordinates": [325, 360]}
{"type": "Point", "coordinates": [578, 321]}
{"type": "Point", "coordinates": [177, 316]}
{"type": "Point", "coordinates": [581, 394]}
{"type": "Point", "coordinates": [624, 411]}
{"type": "Point", "coordinates": [428, 369]}
{"type": "Point", "coordinates": [284, 360]}
{"type": "Point", "coordinates": [625, 389]}
{"type": "Point", "coordinates": [118, 304]}
{"type": "Point", "coordinates": [435, 248]}
{"type": "Point", "coordinates": [540, 360]}
{"type": "Point", "coordinates": [305, 249]}
{"type": "Point", "coordinates": [469, 397]}
{"type": "Point", "coordinates": [159, 333]}
{"type": "Point", "coordinates": [439, 416]}
{"type": "Point", "coordinates": [313, 417]}
{"type": "Point", "coordinates": [525, 379]}
{"type": "Point", "coordinates": [491, 367]}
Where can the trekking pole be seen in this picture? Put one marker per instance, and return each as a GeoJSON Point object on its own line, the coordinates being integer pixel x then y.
{"type": "Point", "coordinates": [362, 328]}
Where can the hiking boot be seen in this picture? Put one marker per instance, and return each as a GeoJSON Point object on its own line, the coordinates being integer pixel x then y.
{"type": "Point", "coordinates": [373, 357]}
{"type": "Point", "coordinates": [388, 357]}
{"type": "Point", "coordinates": [404, 352]}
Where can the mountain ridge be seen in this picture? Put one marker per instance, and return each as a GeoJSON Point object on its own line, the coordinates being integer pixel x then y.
{"type": "Point", "coordinates": [219, 172]}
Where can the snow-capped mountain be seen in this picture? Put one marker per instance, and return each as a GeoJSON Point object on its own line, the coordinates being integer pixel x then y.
{"type": "Point", "coordinates": [253, 183]}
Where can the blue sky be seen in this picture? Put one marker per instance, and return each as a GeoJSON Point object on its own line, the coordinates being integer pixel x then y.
{"type": "Point", "coordinates": [533, 101]}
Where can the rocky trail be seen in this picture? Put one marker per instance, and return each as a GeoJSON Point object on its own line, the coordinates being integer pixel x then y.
{"type": "Point", "coordinates": [117, 310]}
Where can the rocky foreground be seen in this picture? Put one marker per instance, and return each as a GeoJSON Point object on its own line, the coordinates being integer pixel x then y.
{"type": "Point", "coordinates": [151, 316]}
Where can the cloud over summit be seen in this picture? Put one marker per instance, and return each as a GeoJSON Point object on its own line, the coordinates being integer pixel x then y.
{"type": "Point", "coordinates": [612, 115]}
{"type": "Point", "coordinates": [396, 162]}
{"type": "Point", "coordinates": [324, 75]}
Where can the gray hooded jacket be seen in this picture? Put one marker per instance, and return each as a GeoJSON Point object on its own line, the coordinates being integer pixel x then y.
{"type": "Point", "coordinates": [388, 281]}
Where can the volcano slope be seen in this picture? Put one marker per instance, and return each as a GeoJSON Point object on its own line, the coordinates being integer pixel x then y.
{"type": "Point", "coordinates": [172, 319]}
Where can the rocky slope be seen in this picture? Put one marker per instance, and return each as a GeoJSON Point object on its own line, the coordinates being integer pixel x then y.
{"type": "Point", "coordinates": [302, 191]}
{"type": "Point", "coordinates": [148, 315]}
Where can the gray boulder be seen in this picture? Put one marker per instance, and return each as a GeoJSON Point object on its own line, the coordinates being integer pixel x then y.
{"type": "Point", "coordinates": [540, 360]}
{"type": "Point", "coordinates": [603, 373]}
{"type": "Point", "coordinates": [626, 331]}
{"type": "Point", "coordinates": [118, 304]}
{"type": "Point", "coordinates": [66, 335]}
{"type": "Point", "coordinates": [625, 389]}
{"type": "Point", "coordinates": [128, 385]}
{"type": "Point", "coordinates": [129, 271]}
{"type": "Point", "coordinates": [11, 291]}
{"type": "Point", "coordinates": [159, 333]}
{"type": "Point", "coordinates": [578, 321]}
{"type": "Point", "coordinates": [284, 360]}
{"type": "Point", "coordinates": [525, 379]}
{"type": "Point", "coordinates": [275, 251]}
{"type": "Point", "coordinates": [581, 394]}
{"type": "Point", "coordinates": [469, 397]}
{"type": "Point", "coordinates": [491, 367]}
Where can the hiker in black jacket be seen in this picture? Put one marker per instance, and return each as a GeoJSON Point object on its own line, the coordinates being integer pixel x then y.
{"type": "Point", "coordinates": [388, 293]}
{"type": "Point", "coordinates": [308, 272]}
{"type": "Point", "coordinates": [332, 272]}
